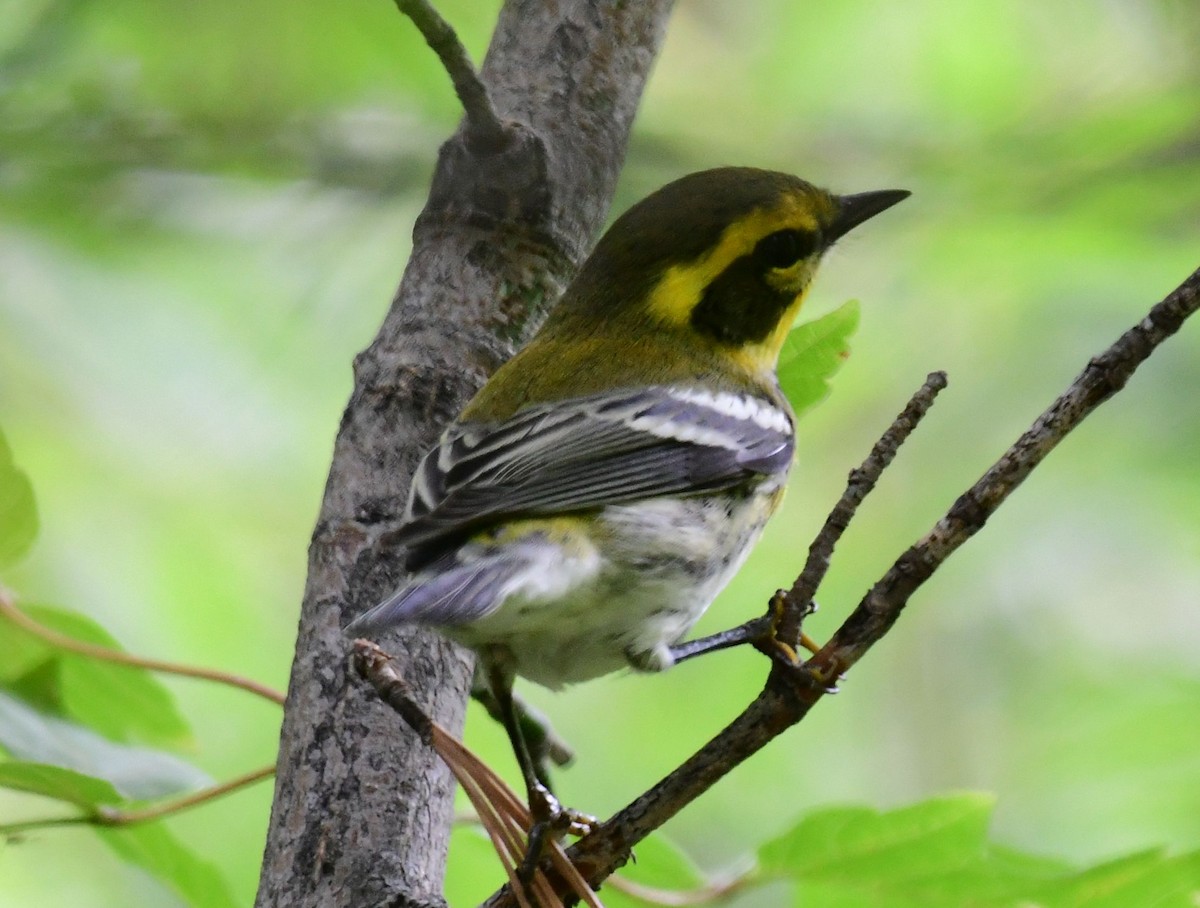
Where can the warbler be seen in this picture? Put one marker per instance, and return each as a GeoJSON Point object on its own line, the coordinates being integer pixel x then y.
{"type": "Point", "coordinates": [599, 491]}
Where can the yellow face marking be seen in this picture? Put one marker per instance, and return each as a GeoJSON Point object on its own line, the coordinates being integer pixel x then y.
{"type": "Point", "coordinates": [682, 286]}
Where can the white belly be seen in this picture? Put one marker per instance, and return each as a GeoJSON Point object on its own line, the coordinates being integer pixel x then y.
{"type": "Point", "coordinates": [650, 571]}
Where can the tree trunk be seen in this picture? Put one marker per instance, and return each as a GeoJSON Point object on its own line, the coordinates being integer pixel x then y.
{"type": "Point", "coordinates": [362, 809]}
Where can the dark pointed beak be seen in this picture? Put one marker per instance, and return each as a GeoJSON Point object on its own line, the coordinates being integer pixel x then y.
{"type": "Point", "coordinates": [854, 209]}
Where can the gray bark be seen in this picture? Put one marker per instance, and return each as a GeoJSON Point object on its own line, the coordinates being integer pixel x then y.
{"type": "Point", "coordinates": [361, 814]}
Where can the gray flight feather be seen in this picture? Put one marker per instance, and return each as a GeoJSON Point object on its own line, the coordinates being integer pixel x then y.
{"type": "Point", "coordinates": [458, 594]}
{"type": "Point", "coordinates": [589, 452]}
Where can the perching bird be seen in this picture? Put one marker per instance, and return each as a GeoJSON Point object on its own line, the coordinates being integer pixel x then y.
{"type": "Point", "coordinates": [599, 491]}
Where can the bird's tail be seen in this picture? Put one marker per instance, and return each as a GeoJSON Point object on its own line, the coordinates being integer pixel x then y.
{"type": "Point", "coordinates": [447, 596]}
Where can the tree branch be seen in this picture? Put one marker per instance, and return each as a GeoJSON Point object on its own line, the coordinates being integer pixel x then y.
{"type": "Point", "coordinates": [608, 847]}
{"type": "Point", "coordinates": [791, 691]}
{"type": "Point", "coordinates": [362, 818]}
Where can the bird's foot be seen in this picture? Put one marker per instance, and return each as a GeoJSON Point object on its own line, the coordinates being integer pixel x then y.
{"type": "Point", "coordinates": [550, 822]}
{"type": "Point", "coordinates": [769, 642]}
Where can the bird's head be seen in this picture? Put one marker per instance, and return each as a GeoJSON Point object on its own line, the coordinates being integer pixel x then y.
{"type": "Point", "coordinates": [727, 254]}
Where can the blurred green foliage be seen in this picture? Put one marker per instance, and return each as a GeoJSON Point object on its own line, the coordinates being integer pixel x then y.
{"type": "Point", "coordinates": [205, 209]}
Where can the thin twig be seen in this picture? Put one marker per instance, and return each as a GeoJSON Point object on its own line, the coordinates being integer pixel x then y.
{"type": "Point", "coordinates": [103, 815]}
{"type": "Point", "coordinates": [680, 898]}
{"type": "Point", "coordinates": [10, 830]}
{"type": "Point", "coordinates": [1103, 377]}
{"type": "Point", "coordinates": [798, 599]}
{"type": "Point", "coordinates": [114, 817]}
{"type": "Point", "coordinates": [778, 707]}
{"type": "Point", "coordinates": [484, 125]}
{"type": "Point", "coordinates": [13, 613]}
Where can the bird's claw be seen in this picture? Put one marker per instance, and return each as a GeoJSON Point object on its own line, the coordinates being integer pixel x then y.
{"type": "Point", "coordinates": [550, 822]}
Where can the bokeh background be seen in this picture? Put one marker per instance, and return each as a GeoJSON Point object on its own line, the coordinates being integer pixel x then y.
{"type": "Point", "coordinates": [204, 211]}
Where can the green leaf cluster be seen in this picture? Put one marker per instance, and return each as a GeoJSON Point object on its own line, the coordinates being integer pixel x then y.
{"type": "Point", "coordinates": [66, 720]}
{"type": "Point", "coordinates": [61, 718]}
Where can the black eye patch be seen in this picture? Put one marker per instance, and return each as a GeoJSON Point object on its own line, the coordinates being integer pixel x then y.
{"type": "Point", "coordinates": [784, 248]}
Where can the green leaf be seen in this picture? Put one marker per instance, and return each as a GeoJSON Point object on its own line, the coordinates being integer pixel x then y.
{"type": "Point", "coordinates": [1148, 880]}
{"type": "Point", "coordinates": [936, 855]}
{"type": "Point", "coordinates": [151, 847]}
{"type": "Point", "coordinates": [136, 772]}
{"type": "Point", "coordinates": [813, 352]}
{"type": "Point", "coordinates": [18, 509]}
{"type": "Point", "coordinates": [928, 855]}
{"type": "Point", "coordinates": [121, 702]}
{"type": "Point", "coordinates": [22, 654]}
{"type": "Point", "coordinates": [86, 791]}
{"type": "Point", "coordinates": [915, 841]}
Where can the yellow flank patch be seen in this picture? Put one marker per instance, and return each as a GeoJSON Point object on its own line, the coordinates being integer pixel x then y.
{"type": "Point", "coordinates": [569, 532]}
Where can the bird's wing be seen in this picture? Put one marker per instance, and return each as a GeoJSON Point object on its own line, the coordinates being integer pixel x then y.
{"type": "Point", "coordinates": [593, 451]}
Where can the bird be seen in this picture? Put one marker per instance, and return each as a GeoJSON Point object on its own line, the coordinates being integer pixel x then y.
{"type": "Point", "coordinates": [599, 491]}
